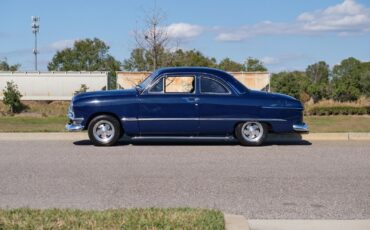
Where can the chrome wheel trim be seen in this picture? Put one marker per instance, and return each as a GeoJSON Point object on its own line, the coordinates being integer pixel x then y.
{"type": "Point", "coordinates": [103, 131]}
{"type": "Point", "coordinates": [252, 131]}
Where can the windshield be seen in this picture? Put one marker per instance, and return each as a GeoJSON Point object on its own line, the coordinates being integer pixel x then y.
{"type": "Point", "coordinates": [146, 81]}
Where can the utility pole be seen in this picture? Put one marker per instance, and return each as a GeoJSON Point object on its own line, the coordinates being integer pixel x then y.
{"type": "Point", "coordinates": [35, 29]}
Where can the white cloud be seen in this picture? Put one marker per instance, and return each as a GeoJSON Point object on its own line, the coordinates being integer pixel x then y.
{"type": "Point", "coordinates": [183, 30]}
{"type": "Point", "coordinates": [270, 60]}
{"type": "Point", "coordinates": [61, 44]}
{"type": "Point", "coordinates": [283, 59]}
{"type": "Point", "coordinates": [262, 28]}
{"type": "Point", "coordinates": [348, 17]}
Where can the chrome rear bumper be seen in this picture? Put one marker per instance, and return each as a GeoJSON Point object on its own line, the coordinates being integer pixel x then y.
{"type": "Point", "coordinates": [301, 128]}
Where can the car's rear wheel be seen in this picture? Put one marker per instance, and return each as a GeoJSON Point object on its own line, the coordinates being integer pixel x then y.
{"type": "Point", "coordinates": [251, 133]}
{"type": "Point", "coordinates": [104, 130]}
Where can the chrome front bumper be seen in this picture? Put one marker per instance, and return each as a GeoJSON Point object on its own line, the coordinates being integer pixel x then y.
{"type": "Point", "coordinates": [301, 128]}
{"type": "Point", "coordinates": [74, 127]}
{"type": "Point", "coordinates": [74, 124]}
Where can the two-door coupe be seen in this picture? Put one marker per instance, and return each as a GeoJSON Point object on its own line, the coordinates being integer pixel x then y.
{"type": "Point", "coordinates": [185, 102]}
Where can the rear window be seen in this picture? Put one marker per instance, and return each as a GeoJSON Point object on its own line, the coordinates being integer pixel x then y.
{"type": "Point", "coordinates": [208, 85]}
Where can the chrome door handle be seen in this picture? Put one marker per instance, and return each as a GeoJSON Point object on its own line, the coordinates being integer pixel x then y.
{"type": "Point", "coordinates": [192, 99]}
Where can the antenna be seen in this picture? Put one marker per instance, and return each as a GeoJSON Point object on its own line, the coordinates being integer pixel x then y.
{"type": "Point", "coordinates": [35, 30]}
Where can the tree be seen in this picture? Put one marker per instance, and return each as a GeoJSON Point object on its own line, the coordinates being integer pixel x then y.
{"type": "Point", "coordinates": [346, 84]}
{"type": "Point", "coordinates": [192, 58]}
{"type": "Point", "coordinates": [365, 79]}
{"type": "Point", "coordinates": [85, 55]}
{"type": "Point", "coordinates": [291, 83]}
{"type": "Point", "coordinates": [318, 73]}
{"type": "Point", "coordinates": [12, 97]}
{"type": "Point", "coordinates": [153, 38]}
{"type": "Point", "coordinates": [253, 64]}
{"type": "Point", "coordinates": [140, 60]}
{"type": "Point", "coordinates": [229, 65]}
{"type": "Point", "coordinates": [4, 66]}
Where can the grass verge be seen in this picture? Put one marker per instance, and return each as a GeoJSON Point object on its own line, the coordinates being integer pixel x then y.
{"type": "Point", "coordinates": [316, 124]}
{"type": "Point", "coordinates": [329, 124]}
{"type": "Point", "coordinates": [152, 218]}
{"type": "Point", "coordinates": [32, 124]}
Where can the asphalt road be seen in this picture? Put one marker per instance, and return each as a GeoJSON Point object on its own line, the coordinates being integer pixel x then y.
{"type": "Point", "coordinates": [322, 180]}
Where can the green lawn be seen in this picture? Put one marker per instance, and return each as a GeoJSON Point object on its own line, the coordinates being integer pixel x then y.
{"type": "Point", "coordinates": [32, 124]}
{"type": "Point", "coordinates": [316, 124]}
{"type": "Point", "coordinates": [322, 124]}
{"type": "Point", "coordinates": [178, 218]}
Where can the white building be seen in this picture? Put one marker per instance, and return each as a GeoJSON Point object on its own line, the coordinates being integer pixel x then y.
{"type": "Point", "coordinates": [53, 85]}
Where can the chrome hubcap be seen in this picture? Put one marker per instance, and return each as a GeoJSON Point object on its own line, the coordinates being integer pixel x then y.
{"type": "Point", "coordinates": [103, 131]}
{"type": "Point", "coordinates": [252, 131]}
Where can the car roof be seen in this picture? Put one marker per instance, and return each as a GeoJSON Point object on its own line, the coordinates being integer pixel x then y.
{"type": "Point", "coordinates": [190, 69]}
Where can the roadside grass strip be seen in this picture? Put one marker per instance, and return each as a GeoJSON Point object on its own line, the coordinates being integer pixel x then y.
{"type": "Point", "coordinates": [33, 124]}
{"type": "Point", "coordinates": [151, 218]}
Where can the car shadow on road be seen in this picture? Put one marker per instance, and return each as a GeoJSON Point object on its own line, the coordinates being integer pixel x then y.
{"type": "Point", "coordinates": [195, 142]}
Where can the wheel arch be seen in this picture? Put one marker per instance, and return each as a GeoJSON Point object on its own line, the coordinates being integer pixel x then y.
{"type": "Point", "coordinates": [92, 116]}
{"type": "Point", "coordinates": [269, 125]}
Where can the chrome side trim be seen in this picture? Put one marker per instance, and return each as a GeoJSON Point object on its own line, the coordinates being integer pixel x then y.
{"type": "Point", "coordinates": [129, 119]}
{"type": "Point", "coordinates": [277, 107]}
{"type": "Point", "coordinates": [302, 128]}
{"type": "Point", "coordinates": [200, 119]}
{"type": "Point", "coordinates": [181, 138]}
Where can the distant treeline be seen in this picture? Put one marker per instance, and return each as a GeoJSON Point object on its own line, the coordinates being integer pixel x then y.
{"type": "Point", "coordinates": [346, 81]}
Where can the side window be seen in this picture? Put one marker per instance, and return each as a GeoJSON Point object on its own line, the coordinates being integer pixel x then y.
{"type": "Point", "coordinates": [158, 87]}
{"type": "Point", "coordinates": [208, 85]}
{"type": "Point", "coordinates": [179, 84]}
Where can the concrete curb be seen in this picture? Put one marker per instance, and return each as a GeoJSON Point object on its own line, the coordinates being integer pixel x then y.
{"type": "Point", "coordinates": [309, 224]}
{"type": "Point", "coordinates": [359, 136]}
{"type": "Point", "coordinates": [320, 137]}
{"type": "Point", "coordinates": [235, 222]}
{"type": "Point", "coordinates": [271, 137]}
{"type": "Point", "coordinates": [239, 222]}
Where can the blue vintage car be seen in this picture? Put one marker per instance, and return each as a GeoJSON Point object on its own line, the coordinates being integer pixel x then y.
{"type": "Point", "coordinates": [185, 102]}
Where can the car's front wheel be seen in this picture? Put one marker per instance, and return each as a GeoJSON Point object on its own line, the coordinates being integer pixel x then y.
{"type": "Point", "coordinates": [104, 130]}
{"type": "Point", "coordinates": [251, 133]}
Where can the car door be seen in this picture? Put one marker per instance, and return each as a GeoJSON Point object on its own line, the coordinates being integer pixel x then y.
{"type": "Point", "coordinates": [219, 106]}
{"type": "Point", "coordinates": [169, 106]}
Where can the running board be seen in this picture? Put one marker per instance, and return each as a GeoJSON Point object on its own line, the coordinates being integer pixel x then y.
{"type": "Point", "coordinates": [227, 138]}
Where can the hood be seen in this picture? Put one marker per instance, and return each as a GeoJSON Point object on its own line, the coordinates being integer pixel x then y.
{"type": "Point", "coordinates": [104, 93]}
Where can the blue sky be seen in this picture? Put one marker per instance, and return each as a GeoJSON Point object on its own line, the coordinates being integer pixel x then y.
{"type": "Point", "coordinates": [285, 34]}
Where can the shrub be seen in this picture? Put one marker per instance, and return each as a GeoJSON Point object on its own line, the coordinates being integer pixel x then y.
{"type": "Point", "coordinates": [83, 89]}
{"type": "Point", "coordinates": [338, 110]}
{"type": "Point", "coordinates": [12, 97]}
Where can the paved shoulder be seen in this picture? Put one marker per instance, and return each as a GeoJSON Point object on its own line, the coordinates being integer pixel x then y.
{"type": "Point", "coordinates": [309, 224]}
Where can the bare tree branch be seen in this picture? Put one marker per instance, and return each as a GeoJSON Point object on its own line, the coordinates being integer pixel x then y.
{"type": "Point", "coordinates": [153, 38]}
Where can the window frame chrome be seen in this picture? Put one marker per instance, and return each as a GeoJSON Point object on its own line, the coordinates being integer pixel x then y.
{"type": "Point", "coordinates": [213, 78]}
{"type": "Point", "coordinates": [162, 77]}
